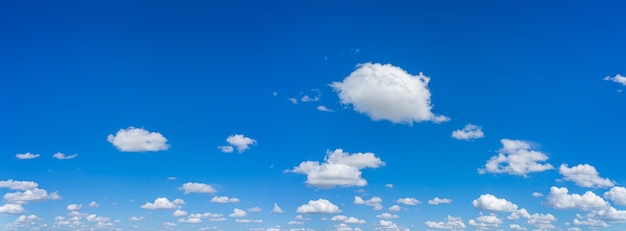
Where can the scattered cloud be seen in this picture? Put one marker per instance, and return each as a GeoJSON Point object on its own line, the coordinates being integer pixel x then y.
{"type": "Point", "coordinates": [408, 201]}
{"type": "Point", "coordinates": [238, 213]}
{"type": "Point", "coordinates": [389, 185]}
{"type": "Point", "coordinates": [179, 213]}
{"type": "Point", "coordinates": [516, 158]}
{"type": "Point", "coordinates": [617, 195]}
{"type": "Point", "coordinates": [93, 204]}
{"type": "Point", "coordinates": [254, 209]}
{"type": "Point", "coordinates": [387, 216]}
{"type": "Point", "coordinates": [437, 200]}
{"type": "Point", "coordinates": [62, 156]}
{"type": "Point", "coordinates": [585, 175]}
{"type": "Point", "coordinates": [488, 202]}
{"type": "Point", "coordinates": [486, 222]}
{"type": "Point", "coordinates": [11, 209]}
{"type": "Point", "coordinates": [74, 207]}
{"type": "Point", "coordinates": [18, 185]}
{"type": "Point", "coordinates": [293, 100]}
{"type": "Point", "coordinates": [277, 209]}
{"type": "Point", "coordinates": [373, 202]}
{"type": "Point", "coordinates": [318, 206]}
{"type": "Point", "coordinates": [468, 132]}
{"type": "Point", "coordinates": [324, 108]}
{"type": "Point", "coordinates": [193, 187]}
{"type": "Point", "coordinates": [306, 99]}
{"type": "Point", "coordinates": [224, 199]}
{"type": "Point", "coordinates": [134, 218]}
{"type": "Point", "coordinates": [160, 203]}
{"type": "Point", "coordinates": [26, 156]}
{"type": "Point", "coordinates": [537, 194]}
{"type": "Point", "coordinates": [348, 220]}
{"type": "Point", "coordinates": [138, 140]}
{"type": "Point", "coordinates": [451, 223]}
{"type": "Point", "coordinates": [387, 92]}
{"type": "Point", "coordinates": [339, 169]}
{"type": "Point", "coordinates": [239, 141]}
{"type": "Point", "coordinates": [226, 149]}
{"type": "Point", "coordinates": [617, 78]}
{"type": "Point", "coordinates": [394, 208]}
{"type": "Point", "coordinates": [30, 195]}
{"type": "Point", "coordinates": [560, 199]}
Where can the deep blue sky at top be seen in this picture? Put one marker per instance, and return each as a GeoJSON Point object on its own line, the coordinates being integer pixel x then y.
{"type": "Point", "coordinates": [72, 72]}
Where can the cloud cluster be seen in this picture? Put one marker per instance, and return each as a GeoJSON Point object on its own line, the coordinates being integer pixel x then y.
{"type": "Point", "coordinates": [516, 158]}
{"type": "Point", "coordinates": [617, 78]}
{"type": "Point", "coordinates": [26, 156]}
{"type": "Point", "coordinates": [239, 141]}
{"type": "Point", "coordinates": [163, 203]}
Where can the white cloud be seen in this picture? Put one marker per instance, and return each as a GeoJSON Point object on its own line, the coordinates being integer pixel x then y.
{"type": "Point", "coordinates": [468, 132]}
{"type": "Point", "coordinates": [387, 216]}
{"type": "Point", "coordinates": [306, 99]}
{"type": "Point", "coordinates": [486, 222]}
{"type": "Point", "coordinates": [254, 209]}
{"type": "Point", "coordinates": [248, 221]}
{"type": "Point", "coordinates": [339, 169]}
{"type": "Point", "coordinates": [30, 195]}
{"type": "Point", "coordinates": [74, 207]}
{"type": "Point", "coordinates": [515, 215]}
{"type": "Point", "coordinates": [293, 100]}
{"type": "Point", "coordinates": [516, 227]}
{"type": "Point", "coordinates": [138, 140]}
{"type": "Point", "coordinates": [408, 201]}
{"type": "Point", "coordinates": [160, 203]}
{"type": "Point", "coordinates": [617, 195]}
{"type": "Point", "coordinates": [318, 206]}
{"type": "Point", "coordinates": [239, 141]}
{"type": "Point", "coordinates": [179, 213]}
{"type": "Point", "coordinates": [193, 187]}
{"type": "Point", "coordinates": [134, 218]}
{"type": "Point", "coordinates": [169, 224]}
{"type": "Point", "coordinates": [373, 202]}
{"type": "Point", "coordinates": [62, 156]}
{"type": "Point", "coordinates": [178, 201]}
{"type": "Point", "coordinates": [516, 158]}
{"type": "Point", "coordinates": [542, 221]}
{"type": "Point", "coordinates": [226, 149]}
{"type": "Point", "coordinates": [617, 78]}
{"type": "Point", "coordinates": [384, 225]}
{"type": "Point", "coordinates": [591, 222]}
{"type": "Point", "coordinates": [560, 199]}
{"type": "Point", "coordinates": [324, 108]}
{"type": "Point", "coordinates": [18, 185]}
{"type": "Point", "coordinates": [394, 208]}
{"type": "Point", "coordinates": [387, 92]}
{"type": "Point", "coordinates": [585, 175]}
{"type": "Point", "coordinates": [491, 203]}
{"type": "Point", "coordinates": [389, 185]}
{"type": "Point", "coordinates": [93, 204]}
{"type": "Point", "coordinates": [301, 218]}
{"type": "Point", "coordinates": [437, 200]}
{"type": "Point", "coordinates": [295, 223]}
{"type": "Point", "coordinates": [238, 213]}
{"type": "Point", "coordinates": [537, 194]}
{"type": "Point", "coordinates": [277, 209]}
{"type": "Point", "coordinates": [347, 220]}
{"type": "Point", "coordinates": [11, 209]}
{"type": "Point", "coordinates": [609, 214]}
{"type": "Point", "coordinates": [26, 156]}
{"type": "Point", "coordinates": [224, 199]}
{"type": "Point", "coordinates": [451, 223]}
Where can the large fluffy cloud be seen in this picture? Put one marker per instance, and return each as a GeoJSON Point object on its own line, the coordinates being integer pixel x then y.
{"type": "Point", "coordinates": [468, 132]}
{"type": "Point", "coordinates": [585, 175]}
{"type": "Point", "coordinates": [18, 185]}
{"type": "Point", "coordinates": [387, 92]}
{"type": "Point", "coordinates": [138, 140]}
{"type": "Point", "coordinates": [451, 223]}
{"type": "Point", "coordinates": [193, 187]}
{"type": "Point", "coordinates": [617, 195]}
{"type": "Point", "coordinates": [11, 209]}
{"type": "Point", "coordinates": [30, 195]}
{"type": "Point", "coordinates": [560, 199]}
{"type": "Point", "coordinates": [318, 206]}
{"type": "Point", "coordinates": [491, 203]}
{"type": "Point", "coordinates": [339, 169]}
{"type": "Point", "coordinates": [617, 78]}
{"type": "Point", "coordinates": [516, 158]}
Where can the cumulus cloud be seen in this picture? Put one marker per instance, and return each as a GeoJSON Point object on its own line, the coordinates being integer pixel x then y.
{"type": "Point", "coordinates": [515, 215]}
{"type": "Point", "coordinates": [26, 156]}
{"type": "Point", "coordinates": [394, 208]}
{"type": "Point", "coordinates": [62, 156]}
{"type": "Point", "coordinates": [74, 207]}
{"type": "Point", "coordinates": [585, 175]}
{"type": "Point", "coordinates": [134, 218]}
{"type": "Point", "coordinates": [318, 206]}
{"type": "Point", "coordinates": [437, 200]}
{"type": "Point", "coordinates": [160, 203]}
{"type": "Point", "coordinates": [486, 222]}
{"type": "Point", "coordinates": [617, 78]}
{"type": "Point", "coordinates": [254, 209]}
{"type": "Point", "coordinates": [384, 225]}
{"type": "Point", "coordinates": [224, 199]}
{"type": "Point", "coordinates": [93, 204]}
{"type": "Point", "coordinates": [239, 141]}
{"type": "Point", "coordinates": [387, 92]}
{"type": "Point", "coordinates": [339, 169]}
{"type": "Point", "coordinates": [30, 195]}
{"type": "Point", "coordinates": [323, 108]}
{"type": "Point", "coordinates": [488, 202]}
{"type": "Point", "coordinates": [11, 209]}
{"type": "Point", "coordinates": [277, 209]}
{"type": "Point", "coordinates": [179, 213]}
{"type": "Point", "coordinates": [537, 194]}
{"type": "Point", "coordinates": [373, 202]}
{"type": "Point", "coordinates": [238, 213]}
{"type": "Point", "coordinates": [516, 158]}
{"type": "Point", "coordinates": [193, 187]}
{"type": "Point", "coordinates": [560, 199]}
{"type": "Point", "coordinates": [138, 140]}
{"type": "Point", "coordinates": [18, 185]}
{"type": "Point", "coordinates": [451, 223]}
{"type": "Point", "coordinates": [542, 221]}
{"type": "Point", "coordinates": [348, 220]}
{"type": "Point", "coordinates": [408, 201]}
{"type": "Point", "coordinates": [617, 195]}
{"type": "Point", "coordinates": [387, 216]}
{"type": "Point", "coordinates": [248, 221]}
{"type": "Point", "coordinates": [468, 132]}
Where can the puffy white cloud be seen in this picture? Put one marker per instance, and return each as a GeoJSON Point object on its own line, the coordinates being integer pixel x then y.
{"type": "Point", "coordinates": [468, 132]}
{"type": "Point", "coordinates": [160, 203]}
{"type": "Point", "coordinates": [193, 187]}
{"type": "Point", "coordinates": [537, 194]}
{"type": "Point", "coordinates": [437, 200]}
{"type": "Point", "coordinates": [516, 158]}
{"type": "Point", "coordinates": [26, 156]}
{"type": "Point", "coordinates": [134, 218]}
{"type": "Point", "coordinates": [394, 208]}
{"type": "Point", "coordinates": [18, 185]}
{"type": "Point", "coordinates": [295, 223]}
{"type": "Point", "coordinates": [224, 199]}
{"type": "Point", "coordinates": [384, 225]}
{"type": "Point", "coordinates": [486, 222]}
{"type": "Point", "coordinates": [226, 149]}
{"type": "Point", "coordinates": [169, 224]}
{"type": "Point", "coordinates": [591, 222]}
{"type": "Point", "coordinates": [197, 218]}
{"type": "Point", "coordinates": [74, 207]}
{"type": "Point", "coordinates": [179, 213]}
{"type": "Point", "coordinates": [277, 209]}
{"type": "Point", "coordinates": [389, 185]}
{"type": "Point", "coordinates": [254, 209]}
{"type": "Point", "coordinates": [609, 214]}
{"type": "Point", "coordinates": [62, 156]}
{"type": "Point", "coordinates": [560, 199]}
{"type": "Point", "coordinates": [324, 108]}
{"type": "Point", "coordinates": [516, 227]}
{"type": "Point", "coordinates": [585, 175]}
{"type": "Point", "coordinates": [11, 209]}
{"type": "Point", "coordinates": [339, 169]}
{"type": "Point", "coordinates": [93, 204]}
{"type": "Point", "coordinates": [542, 221]}
{"type": "Point", "coordinates": [617, 195]}
{"type": "Point", "coordinates": [387, 216]}
{"type": "Point", "coordinates": [293, 100]}
{"type": "Point", "coordinates": [239, 141]}
{"type": "Point", "coordinates": [408, 201]}
{"type": "Point", "coordinates": [374, 202]}
{"type": "Point", "coordinates": [617, 78]}
{"type": "Point", "coordinates": [238, 213]}
{"type": "Point", "coordinates": [30, 195]}
{"type": "Point", "coordinates": [138, 140]}
{"type": "Point", "coordinates": [248, 221]}
{"type": "Point", "coordinates": [491, 203]}
{"type": "Point", "coordinates": [318, 206]}
{"type": "Point", "coordinates": [515, 215]}
{"type": "Point", "coordinates": [387, 92]}
{"type": "Point", "coordinates": [451, 223]}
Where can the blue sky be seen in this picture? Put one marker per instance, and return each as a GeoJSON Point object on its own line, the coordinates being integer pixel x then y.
{"type": "Point", "coordinates": [290, 115]}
